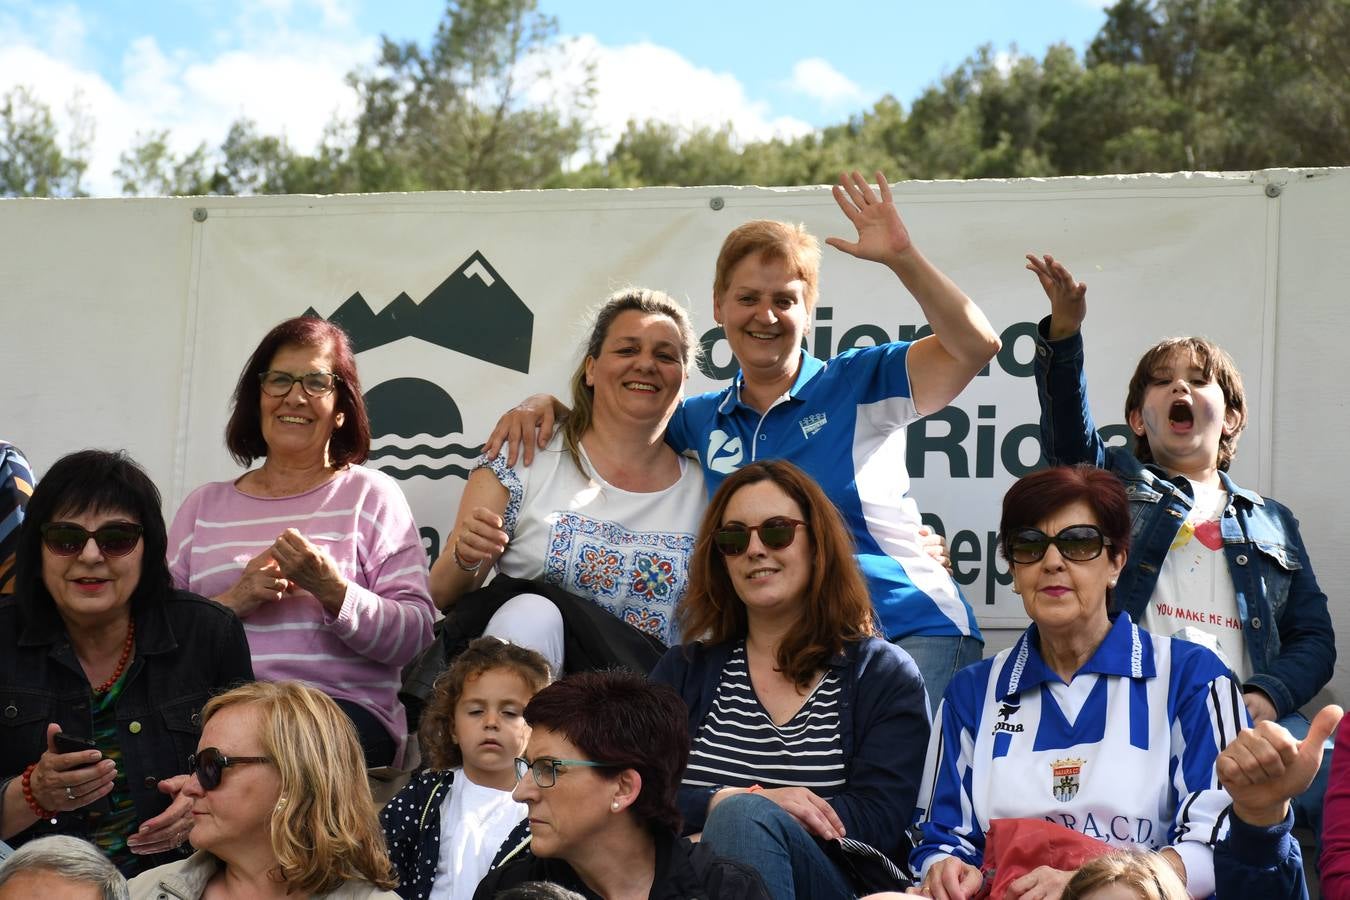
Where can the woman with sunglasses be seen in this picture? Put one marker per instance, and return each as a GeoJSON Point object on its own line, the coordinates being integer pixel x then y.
{"type": "Point", "coordinates": [807, 727]}
{"type": "Point", "coordinates": [318, 554]}
{"type": "Point", "coordinates": [104, 667]}
{"type": "Point", "coordinates": [280, 804]}
{"type": "Point", "coordinates": [1087, 721]}
{"type": "Point", "coordinates": [599, 776]}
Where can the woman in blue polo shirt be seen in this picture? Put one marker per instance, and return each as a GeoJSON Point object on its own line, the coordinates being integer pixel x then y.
{"type": "Point", "coordinates": [842, 421]}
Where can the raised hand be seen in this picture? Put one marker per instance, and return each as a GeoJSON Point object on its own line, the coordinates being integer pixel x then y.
{"type": "Point", "coordinates": [882, 235]}
{"type": "Point", "coordinates": [1068, 298]}
{"type": "Point", "coordinates": [1267, 765]}
{"type": "Point", "coordinates": [261, 583]}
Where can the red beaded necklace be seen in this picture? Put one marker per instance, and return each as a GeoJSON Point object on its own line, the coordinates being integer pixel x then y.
{"type": "Point", "coordinates": [121, 663]}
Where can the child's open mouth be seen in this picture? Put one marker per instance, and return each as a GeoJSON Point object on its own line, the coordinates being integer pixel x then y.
{"type": "Point", "coordinates": [1180, 416]}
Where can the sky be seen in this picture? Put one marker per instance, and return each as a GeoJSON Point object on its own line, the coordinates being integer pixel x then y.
{"type": "Point", "coordinates": [192, 67]}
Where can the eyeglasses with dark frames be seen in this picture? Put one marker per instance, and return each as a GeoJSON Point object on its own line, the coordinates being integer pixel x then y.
{"type": "Point", "coordinates": [776, 533]}
{"type": "Point", "coordinates": [315, 384]}
{"type": "Point", "coordinates": [544, 770]}
{"type": "Point", "coordinates": [113, 538]}
{"type": "Point", "coordinates": [1077, 543]}
{"type": "Point", "coordinates": [210, 764]}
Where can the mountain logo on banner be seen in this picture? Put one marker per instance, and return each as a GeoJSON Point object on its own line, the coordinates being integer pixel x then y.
{"type": "Point", "coordinates": [474, 312]}
{"type": "Point", "coordinates": [412, 420]}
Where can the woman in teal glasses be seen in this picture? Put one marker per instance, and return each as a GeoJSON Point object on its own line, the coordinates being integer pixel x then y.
{"type": "Point", "coordinates": [599, 776]}
{"type": "Point", "coordinates": [1087, 721]}
{"type": "Point", "coordinates": [280, 804]}
{"type": "Point", "coordinates": [104, 667]}
{"type": "Point", "coordinates": [808, 728]}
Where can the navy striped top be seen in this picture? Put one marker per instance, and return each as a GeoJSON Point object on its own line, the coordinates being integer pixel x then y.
{"type": "Point", "coordinates": [738, 744]}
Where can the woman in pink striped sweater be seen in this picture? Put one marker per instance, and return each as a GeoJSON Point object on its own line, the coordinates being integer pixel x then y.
{"type": "Point", "coordinates": [317, 554]}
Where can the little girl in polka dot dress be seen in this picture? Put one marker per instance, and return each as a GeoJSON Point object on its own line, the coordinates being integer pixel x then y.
{"type": "Point", "coordinates": [446, 826]}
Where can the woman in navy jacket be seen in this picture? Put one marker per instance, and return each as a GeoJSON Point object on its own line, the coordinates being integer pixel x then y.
{"type": "Point", "coordinates": [807, 727]}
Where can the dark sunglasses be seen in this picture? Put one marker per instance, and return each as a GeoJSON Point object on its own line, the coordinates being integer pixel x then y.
{"type": "Point", "coordinates": [113, 539]}
{"type": "Point", "coordinates": [316, 384]}
{"type": "Point", "coordinates": [775, 533]}
{"type": "Point", "coordinates": [210, 764]}
{"type": "Point", "coordinates": [544, 770]}
{"type": "Point", "coordinates": [1078, 543]}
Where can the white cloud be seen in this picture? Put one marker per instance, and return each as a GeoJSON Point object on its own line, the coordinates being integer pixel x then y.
{"type": "Point", "coordinates": [821, 81]}
{"type": "Point", "coordinates": [647, 81]}
{"type": "Point", "coordinates": [290, 80]}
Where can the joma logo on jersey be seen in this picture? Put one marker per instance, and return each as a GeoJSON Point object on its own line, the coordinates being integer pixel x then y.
{"type": "Point", "coordinates": [1064, 780]}
{"type": "Point", "coordinates": [812, 423]}
{"type": "Point", "coordinates": [1006, 711]}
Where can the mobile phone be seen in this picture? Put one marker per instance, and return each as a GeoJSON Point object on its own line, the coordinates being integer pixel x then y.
{"type": "Point", "coordinates": [69, 743]}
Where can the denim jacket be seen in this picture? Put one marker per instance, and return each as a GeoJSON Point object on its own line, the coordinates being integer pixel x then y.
{"type": "Point", "coordinates": [883, 720]}
{"type": "Point", "coordinates": [187, 649]}
{"type": "Point", "coordinates": [1284, 613]}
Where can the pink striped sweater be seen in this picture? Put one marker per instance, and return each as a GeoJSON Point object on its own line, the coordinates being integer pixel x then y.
{"type": "Point", "coordinates": [362, 519]}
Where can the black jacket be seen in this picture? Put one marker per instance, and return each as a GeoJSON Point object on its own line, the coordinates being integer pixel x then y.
{"type": "Point", "coordinates": [188, 648]}
{"type": "Point", "coordinates": [684, 871]}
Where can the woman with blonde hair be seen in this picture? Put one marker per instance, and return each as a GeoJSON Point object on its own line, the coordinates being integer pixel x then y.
{"type": "Point", "coordinates": [293, 815]}
{"type": "Point", "coordinates": [591, 541]}
{"type": "Point", "coordinates": [1126, 876]}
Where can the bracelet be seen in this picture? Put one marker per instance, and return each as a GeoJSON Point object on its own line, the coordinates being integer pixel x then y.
{"type": "Point", "coordinates": [28, 795]}
{"type": "Point", "coordinates": [463, 567]}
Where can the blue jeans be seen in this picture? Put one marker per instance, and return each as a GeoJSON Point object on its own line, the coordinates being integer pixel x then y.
{"type": "Point", "coordinates": [938, 659]}
{"type": "Point", "coordinates": [757, 832]}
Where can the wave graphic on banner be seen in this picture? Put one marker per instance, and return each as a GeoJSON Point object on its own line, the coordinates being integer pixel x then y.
{"type": "Point", "coordinates": [415, 427]}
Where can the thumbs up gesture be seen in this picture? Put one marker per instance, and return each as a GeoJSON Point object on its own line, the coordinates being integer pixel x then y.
{"type": "Point", "coordinates": [1267, 765]}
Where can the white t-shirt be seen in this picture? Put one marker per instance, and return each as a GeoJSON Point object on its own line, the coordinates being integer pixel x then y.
{"type": "Point", "coordinates": [474, 822]}
{"type": "Point", "coordinates": [1194, 598]}
{"type": "Point", "coordinates": [629, 552]}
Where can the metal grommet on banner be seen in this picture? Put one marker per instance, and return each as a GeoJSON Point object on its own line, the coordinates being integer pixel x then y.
{"type": "Point", "coordinates": [716, 203]}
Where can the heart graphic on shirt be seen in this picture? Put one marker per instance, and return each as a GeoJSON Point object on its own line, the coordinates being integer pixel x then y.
{"type": "Point", "coordinates": [1208, 534]}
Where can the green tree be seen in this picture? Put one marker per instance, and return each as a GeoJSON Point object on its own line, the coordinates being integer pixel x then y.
{"type": "Point", "coordinates": [150, 168]}
{"type": "Point", "coordinates": [33, 162]}
{"type": "Point", "coordinates": [463, 113]}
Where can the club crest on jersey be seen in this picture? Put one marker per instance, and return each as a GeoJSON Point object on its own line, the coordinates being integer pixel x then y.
{"type": "Point", "coordinates": [1064, 780]}
{"type": "Point", "coordinates": [1006, 711]}
{"type": "Point", "coordinates": [812, 423]}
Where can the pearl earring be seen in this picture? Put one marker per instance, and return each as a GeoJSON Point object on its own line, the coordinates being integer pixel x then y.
{"type": "Point", "coordinates": [614, 806]}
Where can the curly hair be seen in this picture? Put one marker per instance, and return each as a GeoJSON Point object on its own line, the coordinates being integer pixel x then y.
{"type": "Point", "coordinates": [484, 653]}
{"type": "Point", "coordinates": [324, 831]}
{"type": "Point", "coordinates": [838, 606]}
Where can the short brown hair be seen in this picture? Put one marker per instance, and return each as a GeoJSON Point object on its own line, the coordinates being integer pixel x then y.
{"type": "Point", "coordinates": [775, 241]}
{"type": "Point", "coordinates": [482, 654]}
{"type": "Point", "coordinates": [1145, 873]}
{"type": "Point", "coordinates": [1215, 364]}
{"type": "Point", "coordinates": [324, 832]}
{"type": "Point", "coordinates": [350, 442]}
{"type": "Point", "coordinates": [838, 606]}
{"type": "Point", "coordinates": [620, 718]}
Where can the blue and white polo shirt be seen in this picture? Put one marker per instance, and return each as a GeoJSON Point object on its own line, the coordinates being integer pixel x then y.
{"type": "Point", "coordinates": [843, 422]}
{"type": "Point", "coordinates": [1123, 753]}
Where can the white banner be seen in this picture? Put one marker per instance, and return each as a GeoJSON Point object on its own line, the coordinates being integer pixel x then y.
{"type": "Point", "coordinates": [127, 322]}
